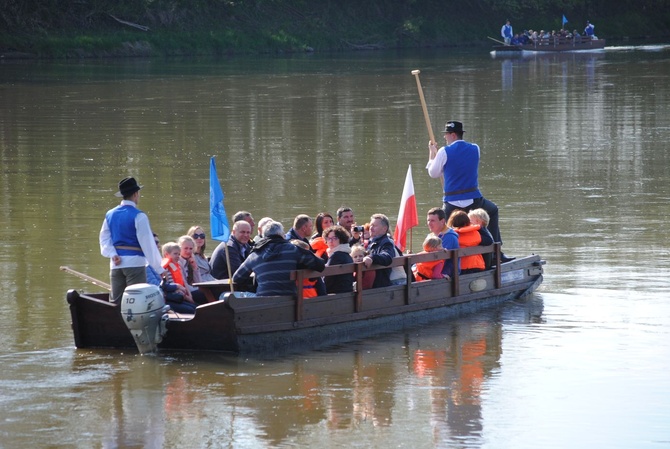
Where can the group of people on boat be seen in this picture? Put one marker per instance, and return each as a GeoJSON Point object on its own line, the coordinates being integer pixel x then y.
{"type": "Point", "coordinates": [543, 37]}
{"type": "Point", "coordinates": [262, 265]}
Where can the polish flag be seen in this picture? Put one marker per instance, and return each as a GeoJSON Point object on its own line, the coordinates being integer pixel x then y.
{"type": "Point", "coordinates": [407, 215]}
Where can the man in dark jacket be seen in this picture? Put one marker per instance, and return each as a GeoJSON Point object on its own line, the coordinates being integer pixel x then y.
{"type": "Point", "coordinates": [238, 250]}
{"type": "Point", "coordinates": [272, 260]}
{"type": "Point", "coordinates": [381, 250]}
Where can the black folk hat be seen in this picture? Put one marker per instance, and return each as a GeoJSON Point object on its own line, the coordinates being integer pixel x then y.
{"type": "Point", "coordinates": [453, 126]}
{"type": "Point", "coordinates": [127, 186]}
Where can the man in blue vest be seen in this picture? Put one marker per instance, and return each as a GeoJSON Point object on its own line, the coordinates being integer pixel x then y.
{"type": "Point", "coordinates": [506, 32]}
{"type": "Point", "coordinates": [458, 163]}
{"type": "Point", "coordinates": [127, 240]}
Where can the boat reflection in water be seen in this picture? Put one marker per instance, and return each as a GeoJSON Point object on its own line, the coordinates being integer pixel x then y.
{"type": "Point", "coordinates": [175, 400]}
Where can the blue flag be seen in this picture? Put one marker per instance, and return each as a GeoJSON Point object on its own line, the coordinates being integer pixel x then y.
{"type": "Point", "coordinates": [564, 21]}
{"type": "Point", "coordinates": [217, 218]}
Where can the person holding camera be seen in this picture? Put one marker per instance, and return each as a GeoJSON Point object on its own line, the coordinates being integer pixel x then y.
{"type": "Point", "coordinates": [345, 218]}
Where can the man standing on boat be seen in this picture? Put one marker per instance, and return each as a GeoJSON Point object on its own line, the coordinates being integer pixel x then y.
{"type": "Point", "coordinates": [127, 240]}
{"type": "Point", "coordinates": [506, 32]}
{"type": "Point", "coordinates": [589, 30]}
{"type": "Point", "coordinates": [458, 163]}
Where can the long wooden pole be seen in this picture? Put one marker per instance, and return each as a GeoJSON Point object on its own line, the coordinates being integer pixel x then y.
{"type": "Point", "coordinates": [88, 278]}
{"type": "Point", "coordinates": [425, 113]}
{"type": "Point", "coordinates": [423, 105]}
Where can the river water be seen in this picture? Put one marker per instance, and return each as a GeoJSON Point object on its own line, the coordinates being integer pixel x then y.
{"type": "Point", "coordinates": [574, 152]}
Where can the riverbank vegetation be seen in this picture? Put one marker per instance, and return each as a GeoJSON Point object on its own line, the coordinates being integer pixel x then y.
{"type": "Point", "coordinates": [99, 28]}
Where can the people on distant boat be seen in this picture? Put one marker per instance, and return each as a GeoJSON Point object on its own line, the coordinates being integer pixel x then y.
{"type": "Point", "coordinates": [381, 250]}
{"type": "Point", "coordinates": [437, 224]}
{"type": "Point", "coordinates": [506, 32]}
{"type": "Point", "coordinates": [432, 269]}
{"type": "Point", "coordinates": [204, 269]}
{"type": "Point", "coordinates": [339, 253]}
{"type": "Point", "coordinates": [516, 40]}
{"type": "Point", "coordinates": [589, 30]}
{"type": "Point", "coordinates": [272, 261]}
{"type": "Point", "coordinates": [322, 222]}
{"type": "Point", "coordinates": [259, 233]}
{"type": "Point", "coordinates": [302, 229]}
{"type": "Point", "coordinates": [458, 163]}
{"type": "Point", "coordinates": [190, 268]}
{"type": "Point", "coordinates": [346, 219]}
{"type": "Point", "coordinates": [127, 240]}
{"type": "Point", "coordinates": [238, 251]}
{"type": "Point", "coordinates": [481, 218]}
{"type": "Point", "coordinates": [312, 287]}
{"type": "Point", "coordinates": [357, 255]}
{"type": "Point", "coordinates": [468, 235]}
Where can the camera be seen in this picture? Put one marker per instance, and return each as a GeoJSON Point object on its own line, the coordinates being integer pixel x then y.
{"type": "Point", "coordinates": [357, 229]}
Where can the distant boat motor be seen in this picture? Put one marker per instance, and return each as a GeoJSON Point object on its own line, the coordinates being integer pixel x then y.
{"type": "Point", "coordinates": [144, 311]}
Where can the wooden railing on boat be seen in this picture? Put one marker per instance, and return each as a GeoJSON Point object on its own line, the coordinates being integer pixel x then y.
{"type": "Point", "coordinates": [562, 41]}
{"type": "Point", "coordinates": [214, 289]}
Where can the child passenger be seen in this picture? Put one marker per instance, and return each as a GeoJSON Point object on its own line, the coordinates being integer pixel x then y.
{"type": "Point", "coordinates": [357, 254]}
{"type": "Point", "coordinates": [432, 269]}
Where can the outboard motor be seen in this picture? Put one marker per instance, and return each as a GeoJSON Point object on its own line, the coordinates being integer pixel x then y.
{"type": "Point", "coordinates": [144, 311]}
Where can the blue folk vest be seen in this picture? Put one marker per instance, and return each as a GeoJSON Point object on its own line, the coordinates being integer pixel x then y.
{"type": "Point", "coordinates": [121, 222]}
{"type": "Point", "coordinates": [461, 171]}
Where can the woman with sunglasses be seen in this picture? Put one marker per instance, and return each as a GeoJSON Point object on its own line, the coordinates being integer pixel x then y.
{"type": "Point", "coordinates": [198, 234]}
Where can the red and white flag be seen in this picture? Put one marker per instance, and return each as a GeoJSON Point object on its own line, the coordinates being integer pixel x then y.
{"type": "Point", "coordinates": [407, 215]}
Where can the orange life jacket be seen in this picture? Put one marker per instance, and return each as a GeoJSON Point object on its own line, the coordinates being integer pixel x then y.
{"type": "Point", "coordinates": [469, 236]}
{"type": "Point", "coordinates": [309, 288]}
{"type": "Point", "coordinates": [424, 270]}
{"type": "Point", "coordinates": [175, 272]}
{"type": "Point", "coordinates": [319, 246]}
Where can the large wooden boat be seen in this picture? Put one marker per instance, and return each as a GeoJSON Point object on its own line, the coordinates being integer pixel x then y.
{"type": "Point", "coordinates": [551, 45]}
{"type": "Point", "coordinates": [270, 324]}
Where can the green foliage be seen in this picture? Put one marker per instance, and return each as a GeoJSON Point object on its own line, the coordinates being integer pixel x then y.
{"type": "Point", "coordinates": [104, 27]}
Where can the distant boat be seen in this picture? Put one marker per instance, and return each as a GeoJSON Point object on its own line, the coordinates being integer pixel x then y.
{"type": "Point", "coordinates": [275, 324]}
{"type": "Point", "coordinates": [551, 45]}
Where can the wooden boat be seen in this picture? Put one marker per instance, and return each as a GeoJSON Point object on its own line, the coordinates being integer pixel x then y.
{"type": "Point", "coordinates": [279, 324]}
{"type": "Point", "coordinates": [551, 45]}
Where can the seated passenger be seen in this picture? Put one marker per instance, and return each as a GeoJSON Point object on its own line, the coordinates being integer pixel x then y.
{"type": "Point", "coordinates": [272, 260]}
{"type": "Point", "coordinates": [357, 255]}
{"type": "Point", "coordinates": [323, 221]}
{"type": "Point", "coordinates": [311, 287]}
{"type": "Point", "coordinates": [190, 268]}
{"type": "Point", "coordinates": [432, 269]}
{"type": "Point", "coordinates": [302, 229]}
{"type": "Point", "coordinates": [481, 217]}
{"type": "Point", "coordinates": [381, 250]}
{"type": "Point", "coordinates": [337, 238]}
{"type": "Point", "coordinates": [238, 251]}
{"type": "Point", "coordinates": [468, 235]}
{"type": "Point", "coordinates": [259, 233]}
{"type": "Point", "coordinates": [204, 269]}
{"type": "Point", "coordinates": [176, 296]}
{"type": "Point", "coordinates": [437, 224]}
{"type": "Point", "coordinates": [171, 253]}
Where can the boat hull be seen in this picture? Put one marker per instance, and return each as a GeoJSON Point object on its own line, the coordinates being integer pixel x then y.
{"type": "Point", "coordinates": [274, 324]}
{"type": "Point", "coordinates": [551, 46]}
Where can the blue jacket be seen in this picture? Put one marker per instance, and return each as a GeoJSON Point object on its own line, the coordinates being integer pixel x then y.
{"type": "Point", "coordinates": [272, 260]}
{"type": "Point", "coordinates": [449, 241]}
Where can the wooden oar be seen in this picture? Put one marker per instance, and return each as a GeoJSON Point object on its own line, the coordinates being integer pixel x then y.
{"type": "Point", "coordinates": [425, 113]}
{"type": "Point", "coordinates": [86, 277]}
{"type": "Point", "coordinates": [500, 42]}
